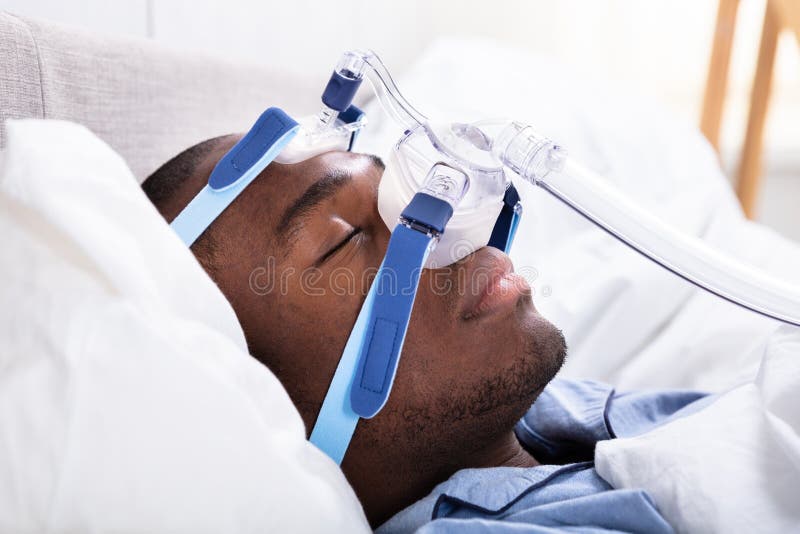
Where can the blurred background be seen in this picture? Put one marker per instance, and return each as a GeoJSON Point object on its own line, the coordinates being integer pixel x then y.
{"type": "Point", "coordinates": [659, 48]}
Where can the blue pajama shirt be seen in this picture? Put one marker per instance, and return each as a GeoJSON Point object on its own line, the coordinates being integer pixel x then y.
{"type": "Point", "coordinates": [565, 493]}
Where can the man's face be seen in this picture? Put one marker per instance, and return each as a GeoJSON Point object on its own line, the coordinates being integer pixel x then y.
{"type": "Point", "coordinates": [295, 255]}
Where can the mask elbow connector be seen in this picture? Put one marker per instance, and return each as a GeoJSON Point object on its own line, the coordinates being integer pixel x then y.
{"type": "Point", "coordinates": [527, 153]}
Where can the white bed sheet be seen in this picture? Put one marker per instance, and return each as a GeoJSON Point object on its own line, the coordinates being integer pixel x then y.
{"type": "Point", "coordinates": [128, 401]}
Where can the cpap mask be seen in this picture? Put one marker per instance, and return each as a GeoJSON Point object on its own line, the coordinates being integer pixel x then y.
{"type": "Point", "coordinates": [447, 191]}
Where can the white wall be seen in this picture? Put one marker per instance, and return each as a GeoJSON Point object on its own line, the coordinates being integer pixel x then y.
{"type": "Point", "coordinates": [127, 17]}
{"type": "Point", "coordinates": [659, 47]}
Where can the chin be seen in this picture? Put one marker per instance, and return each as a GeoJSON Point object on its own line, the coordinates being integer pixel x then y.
{"type": "Point", "coordinates": [541, 344]}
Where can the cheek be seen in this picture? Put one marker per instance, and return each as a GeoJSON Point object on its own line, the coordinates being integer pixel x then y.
{"type": "Point", "coordinates": [298, 321]}
{"type": "Point", "coordinates": [442, 350]}
{"type": "Point", "coordinates": [306, 340]}
{"type": "Point", "coordinates": [433, 337]}
{"type": "Point", "coordinates": [317, 325]}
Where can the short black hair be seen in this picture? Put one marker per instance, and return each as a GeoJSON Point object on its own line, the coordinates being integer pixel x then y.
{"type": "Point", "coordinates": [165, 182]}
{"type": "Point", "coordinates": [167, 179]}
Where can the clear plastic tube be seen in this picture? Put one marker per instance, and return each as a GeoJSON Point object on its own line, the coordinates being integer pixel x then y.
{"type": "Point", "coordinates": [539, 161]}
{"type": "Point", "coordinates": [357, 64]}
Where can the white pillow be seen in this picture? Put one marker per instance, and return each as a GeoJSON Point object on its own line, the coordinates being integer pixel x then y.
{"type": "Point", "coordinates": [128, 402]}
{"type": "Point", "coordinates": [733, 466]}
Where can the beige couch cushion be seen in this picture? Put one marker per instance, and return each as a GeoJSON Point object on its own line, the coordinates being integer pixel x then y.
{"type": "Point", "coordinates": [146, 101]}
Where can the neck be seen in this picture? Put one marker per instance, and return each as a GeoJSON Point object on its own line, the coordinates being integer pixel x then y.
{"type": "Point", "coordinates": [385, 490]}
{"type": "Point", "coordinates": [505, 452]}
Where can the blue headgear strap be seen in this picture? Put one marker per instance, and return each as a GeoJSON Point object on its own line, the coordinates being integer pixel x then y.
{"type": "Point", "coordinates": [424, 218]}
{"type": "Point", "coordinates": [273, 130]}
{"type": "Point", "coordinates": [269, 135]}
{"type": "Point", "coordinates": [505, 228]}
{"type": "Point", "coordinates": [366, 371]}
{"type": "Point", "coordinates": [337, 421]}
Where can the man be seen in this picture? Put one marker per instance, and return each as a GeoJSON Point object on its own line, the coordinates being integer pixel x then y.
{"type": "Point", "coordinates": [293, 254]}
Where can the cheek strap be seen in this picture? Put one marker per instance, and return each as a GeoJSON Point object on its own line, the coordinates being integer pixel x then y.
{"type": "Point", "coordinates": [367, 368]}
{"type": "Point", "coordinates": [366, 372]}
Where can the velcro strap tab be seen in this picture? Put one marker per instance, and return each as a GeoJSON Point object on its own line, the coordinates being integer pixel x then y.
{"type": "Point", "coordinates": [397, 282]}
{"type": "Point", "coordinates": [270, 126]}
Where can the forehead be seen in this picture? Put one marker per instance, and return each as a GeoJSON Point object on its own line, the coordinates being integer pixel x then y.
{"type": "Point", "coordinates": [278, 186]}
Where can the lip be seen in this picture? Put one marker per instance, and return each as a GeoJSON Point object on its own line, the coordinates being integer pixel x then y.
{"type": "Point", "coordinates": [491, 285]}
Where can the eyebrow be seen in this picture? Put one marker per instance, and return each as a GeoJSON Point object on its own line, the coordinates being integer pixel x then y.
{"type": "Point", "coordinates": [326, 187]}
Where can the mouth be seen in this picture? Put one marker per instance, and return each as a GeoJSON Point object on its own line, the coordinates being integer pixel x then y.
{"type": "Point", "coordinates": [492, 286]}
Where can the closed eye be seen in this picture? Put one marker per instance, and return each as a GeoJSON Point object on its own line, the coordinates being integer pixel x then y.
{"type": "Point", "coordinates": [339, 246]}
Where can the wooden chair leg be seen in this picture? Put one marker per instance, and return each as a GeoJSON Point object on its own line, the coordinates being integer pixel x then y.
{"type": "Point", "coordinates": [717, 81]}
{"type": "Point", "coordinates": [749, 177]}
